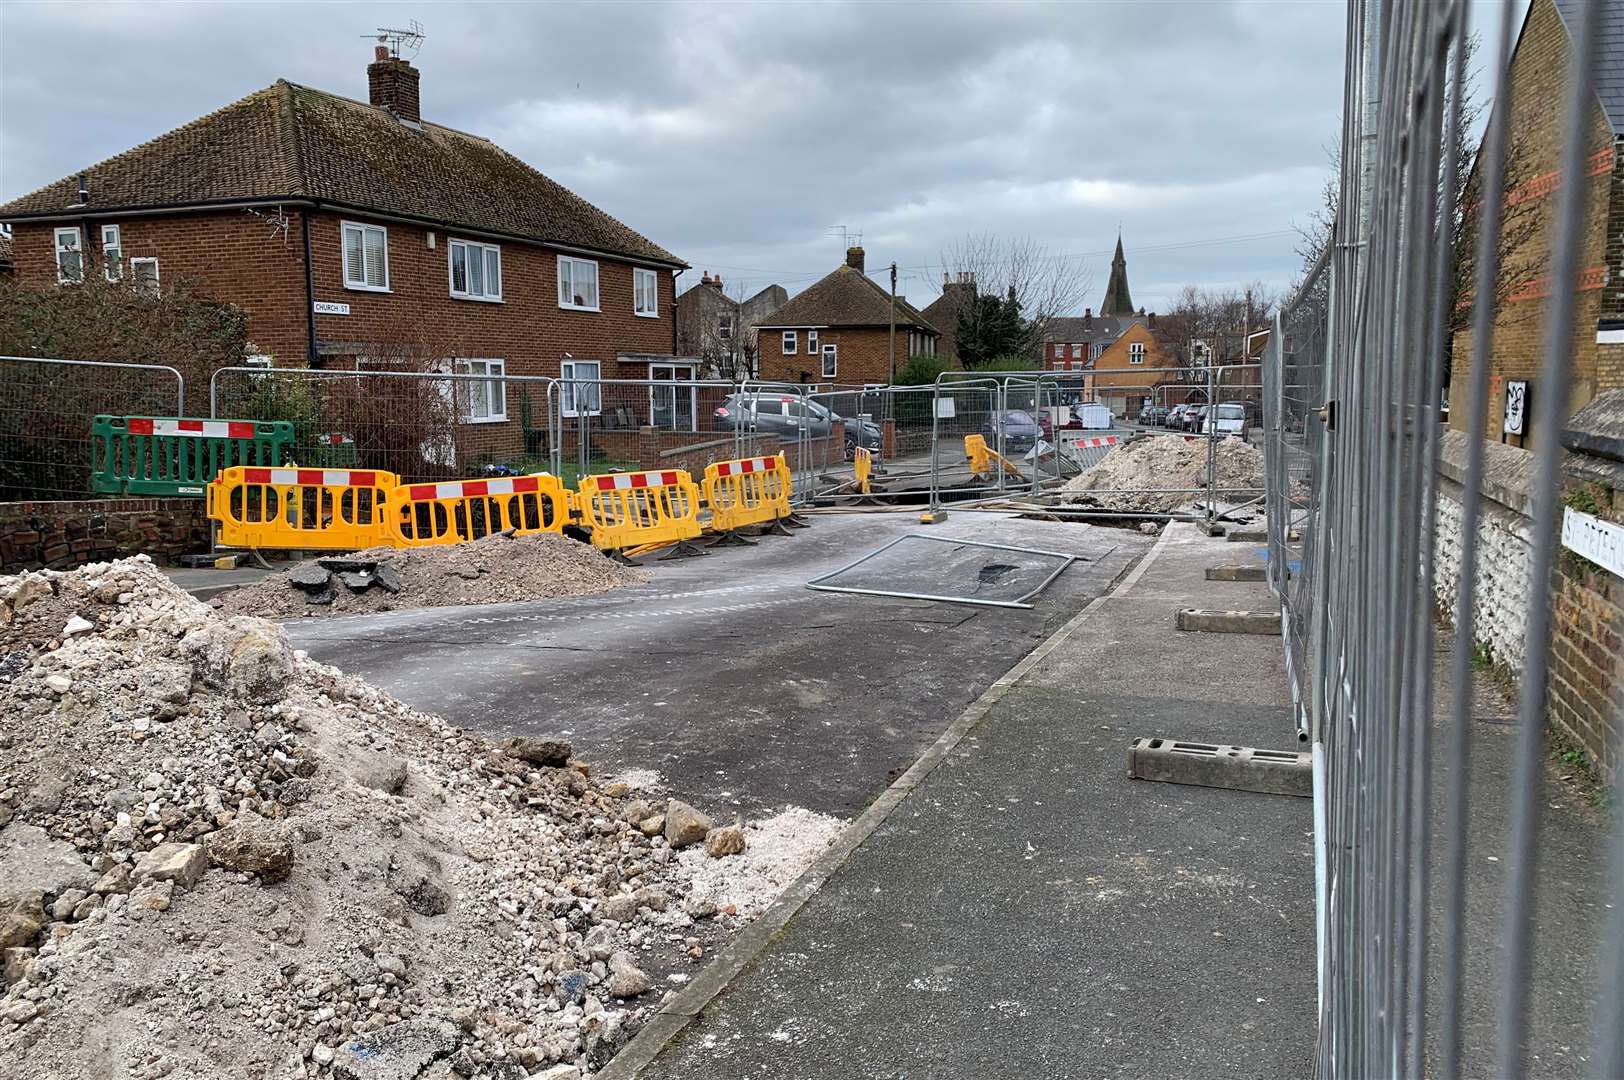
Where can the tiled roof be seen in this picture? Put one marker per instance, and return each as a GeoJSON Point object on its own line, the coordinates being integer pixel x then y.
{"type": "Point", "coordinates": [292, 142]}
{"type": "Point", "coordinates": [1100, 329]}
{"type": "Point", "coordinates": [845, 298]}
{"type": "Point", "coordinates": [1609, 55]}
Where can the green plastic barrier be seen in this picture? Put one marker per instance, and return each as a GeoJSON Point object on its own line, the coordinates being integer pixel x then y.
{"type": "Point", "coordinates": [177, 456]}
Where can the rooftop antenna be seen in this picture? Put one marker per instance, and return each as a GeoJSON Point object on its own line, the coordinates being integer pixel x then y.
{"type": "Point", "coordinates": [403, 43]}
{"type": "Point", "coordinates": [847, 237]}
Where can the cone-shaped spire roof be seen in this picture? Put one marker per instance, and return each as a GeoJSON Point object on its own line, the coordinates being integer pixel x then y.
{"type": "Point", "coordinates": [1117, 301]}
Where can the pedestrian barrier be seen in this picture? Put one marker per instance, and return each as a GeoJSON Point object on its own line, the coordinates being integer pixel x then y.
{"type": "Point", "coordinates": [177, 456]}
{"type": "Point", "coordinates": [625, 510]}
{"type": "Point", "coordinates": [749, 491]}
{"type": "Point", "coordinates": [862, 465]}
{"type": "Point", "coordinates": [461, 510]}
{"type": "Point", "coordinates": [982, 457]}
{"type": "Point", "coordinates": [1087, 453]}
{"type": "Point", "coordinates": [328, 509]}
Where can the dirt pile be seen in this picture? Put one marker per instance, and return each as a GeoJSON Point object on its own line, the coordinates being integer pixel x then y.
{"type": "Point", "coordinates": [1163, 461]}
{"type": "Point", "coordinates": [222, 859]}
{"type": "Point", "coordinates": [495, 569]}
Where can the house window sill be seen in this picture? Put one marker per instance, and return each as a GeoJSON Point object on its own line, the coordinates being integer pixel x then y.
{"type": "Point", "coordinates": [575, 307]}
{"type": "Point", "coordinates": [368, 288]}
{"type": "Point", "coordinates": [477, 299]}
{"type": "Point", "coordinates": [502, 419]}
{"type": "Point", "coordinates": [647, 314]}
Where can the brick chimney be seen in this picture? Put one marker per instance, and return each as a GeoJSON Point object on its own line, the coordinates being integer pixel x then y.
{"type": "Point", "coordinates": [854, 258]}
{"type": "Point", "coordinates": [715, 283]}
{"type": "Point", "coordinates": [392, 85]}
{"type": "Point", "coordinates": [1088, 316]}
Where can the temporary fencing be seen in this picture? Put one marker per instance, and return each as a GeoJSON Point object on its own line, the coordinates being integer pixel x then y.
{"type": "Point", "coordinates": [326, 509]}
{"type": "Point", "coordinates": [177, 456]}
{"type": "Point", "coordinates": [455, 511]}
{"type": "Point", "coordinates": [750, 491]}
{"type": "Point", "coordinates": [46, 414]}
{"type": "Point", "coordinates": [1353, 372]}
{"type": "Point", "coordinates": [628, 510]}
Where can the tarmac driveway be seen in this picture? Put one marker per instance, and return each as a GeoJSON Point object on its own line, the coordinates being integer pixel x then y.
{"type": "Point", "coordinates": [728, 676]}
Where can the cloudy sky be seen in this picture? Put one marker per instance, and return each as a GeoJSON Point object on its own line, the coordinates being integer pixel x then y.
{"type": "Point", "coordinates": [742, 135]}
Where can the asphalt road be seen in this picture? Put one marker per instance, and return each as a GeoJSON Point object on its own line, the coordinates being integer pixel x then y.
{"type": "Point", "coordinates": [743, 688]}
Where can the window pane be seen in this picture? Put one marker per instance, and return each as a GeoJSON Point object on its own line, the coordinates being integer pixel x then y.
{"type": "Point", "coordinates": [354, 274]}
{"type": "Point", "coordinates": [498, 391]}
{"type": "Point", "coordinates": [459, 268]}
{"type": "Point", "coordinates": [72, 265]}
{"type": "Point", "coordinates": [374, 257]}
{"type": "Point", "coordinates": [565, 288]}
{"type": "Point", "coordinates": [476, 273]}
{"type": "Point", "coordinates": [493, 272]}
{"type": "Point", "coordinates": [589, 284]}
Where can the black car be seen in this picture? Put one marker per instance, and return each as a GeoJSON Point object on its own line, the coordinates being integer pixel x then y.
{"type": "Point", "coordinates": [1153, 415]}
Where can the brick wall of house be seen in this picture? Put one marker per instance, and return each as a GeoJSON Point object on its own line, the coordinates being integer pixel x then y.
{"type": "Point", "coordinates": [256, 260]}
{"type": "Point", "coordinates": [1539, 73]}
{"type": "Point", "coordinates": [863, 356]}
{"type": "Point", "coordinates": [61, 535]}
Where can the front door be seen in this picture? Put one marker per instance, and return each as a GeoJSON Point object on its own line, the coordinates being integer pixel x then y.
{"type": "Point", "coordinates": [673, 408]}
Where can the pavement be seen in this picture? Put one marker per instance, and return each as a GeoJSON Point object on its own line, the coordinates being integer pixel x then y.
{"type": "Point", "coordinates": [744, 689]}
{"type": "Point", "coordinates": [1028, 911]}
{"type": "Point", "coordinates": [207, 582]}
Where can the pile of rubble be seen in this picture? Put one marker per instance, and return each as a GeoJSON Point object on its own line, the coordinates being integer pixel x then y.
{"type": "Point", "coordinates": [220, 858]}
{"type": "Point", "coordinates": [495, 569]}
{"type": "Point", "coordinates": [1128, 477]}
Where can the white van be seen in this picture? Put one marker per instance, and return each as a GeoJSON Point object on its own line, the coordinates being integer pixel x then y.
{"type": "Point", "coordinates": [1093, 415]}
{"type": "Point", "coordinates": [1229, 418]}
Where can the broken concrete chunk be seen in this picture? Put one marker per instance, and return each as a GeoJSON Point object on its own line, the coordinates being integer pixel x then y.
{"type": "Point", "coordinates": [388, 578]}
{"type": "Point", "coordinates": [311, 577]}
{"type": "Point", "coordinates": [685, 825]}
{"type": "Point", "coordinates": [252, 845]}
{"type": "Point", "coordinates": [548, 753]}
{"type": "Point", "coordinates": [77, 625]}
{"type": "Point", "coordinates": [383, 772]}
{"type": "Point", "coordinates": [356, 580]}
{"type": "Point", "coordinates": [322, 597]}
{"type": "Point", "coordinates": [727, 840]}
{"type": "Point", "coordinates": [400, 1051]}
{"type": "Point", "coordinates": [181, 863]}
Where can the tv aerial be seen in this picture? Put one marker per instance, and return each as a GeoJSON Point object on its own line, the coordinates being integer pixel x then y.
{"type": "Point", "coordinates": [404, 43]}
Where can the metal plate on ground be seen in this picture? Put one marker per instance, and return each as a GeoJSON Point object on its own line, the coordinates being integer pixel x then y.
{"type": "Point", "coordinates": [920, 567]}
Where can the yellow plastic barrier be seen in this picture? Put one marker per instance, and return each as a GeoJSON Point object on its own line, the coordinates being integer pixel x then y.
{"type": "Point", "coordinates": [459, 510]}
{"type": "Point", "coordinates": [326, 509]}
{"type": "Point", "coordinates": [982, 457]}
{"type": "Point", "coordinates": [749, 491]}
{"type": "Point", "coordinates": [626, 510]}
{"type": "Point", "coordinates": [862, 464]}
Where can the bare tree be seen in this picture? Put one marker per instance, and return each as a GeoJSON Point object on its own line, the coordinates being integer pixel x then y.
{"type": "Point", "coordinates": [1046, 284]}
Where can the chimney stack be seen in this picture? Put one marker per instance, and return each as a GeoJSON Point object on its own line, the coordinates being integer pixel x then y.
{"type": "Point", "coordinates": [854, 258]}
{"type": "Point", "coordinates": [392, 85]}
{"type": "Point", "coordinates": [1088, 317]}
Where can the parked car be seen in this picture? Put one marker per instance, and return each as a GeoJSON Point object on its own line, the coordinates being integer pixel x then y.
{"type": "Point", "coordinates": [1195, 418]}
{"type": "Point", "coordinates": [1175, 417]}
{"type": "Point", "coordinates": [1226, 418]}
{"type": "Point", "coordinates": [787, 416]}
{"type": "Point", "coordinates": [1021, 429]}
{"type": "Point", "coordinates": [1153, 415]}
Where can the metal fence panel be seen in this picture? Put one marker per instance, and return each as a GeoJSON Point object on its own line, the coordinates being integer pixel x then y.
{"type": "Point", "coordinates": [46, 414]}
{"type": "Point", "coordinates": [1351, 387]}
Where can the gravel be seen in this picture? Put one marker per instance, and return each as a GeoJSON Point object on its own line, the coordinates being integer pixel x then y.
{"type": "Point", "coordinates": [1163, 461]}
{"type": "Point", "coordinates": [495, 569]}
{"type": "Point", "coordinates": [222, 859]}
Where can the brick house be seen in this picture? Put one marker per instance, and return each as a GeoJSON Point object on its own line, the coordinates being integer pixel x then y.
{"type": "Point", "coordinates": [839, 331]}
{"type": "Point", "coordinates": [943, 313]}
{"type": "Point", "coordinates": [1538, 77]}
{"type": "Point", "coordinates": [719, 330]}
{"type": "Point", "coordinates": [1133, 371]}
{"type": "Point", "coordinates": [355, 234]}
{"type": "Point", "coordinates": [1076, 344]}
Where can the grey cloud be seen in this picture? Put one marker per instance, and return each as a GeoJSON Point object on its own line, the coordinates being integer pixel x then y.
{"type": "Point", "coordinates": [737, 134]}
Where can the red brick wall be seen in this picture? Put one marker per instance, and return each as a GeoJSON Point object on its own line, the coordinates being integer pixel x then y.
{"type": "Point", "coordinates": [249, 260]}
{"type": "Point", "coordinates": [862, 357]}
{"type": "Point", "coordinates": [61, 535]}
{"type": "Point", "coordinates": [1539, 74]}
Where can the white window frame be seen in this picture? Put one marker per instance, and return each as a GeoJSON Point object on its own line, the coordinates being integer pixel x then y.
{"type": "Point", "coordinates": [1136, 352]}
{"type": "Point", "coordinates": [135, 270]}
{"type": "Point", "coordinates": [470, 249]}
{"type": "Point", "coordinates": [495, 384]}
{"type": "Point", "coordinates": [78, 248]}
{"type": "Point", "coordinates": [724, 326]}
{"type": "Point", "coordinates": [1059, 351]}
{"type": "Point", "coordinates": [597, 285]}
{"type": "Point", "coordinates": [830, 361]}
{"type": "Point", "coordinates": [112, 253]}
{"type": "Point", "coordinates": [570, 375]}
{"type": "Point", "coordinates": [362, 227]}
{"type": "Point", "coordinates": [791, 342]}
{"type": "Point", "coordinates": [1077, 352]}
{"type": "Point", "coordinates": [642, 278]}
{"type": "Point", "coordinates": [812, 344]}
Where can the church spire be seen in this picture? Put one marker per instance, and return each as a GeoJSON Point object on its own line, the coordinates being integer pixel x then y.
{"type": "Point", "coordinates": [1117, 301]}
